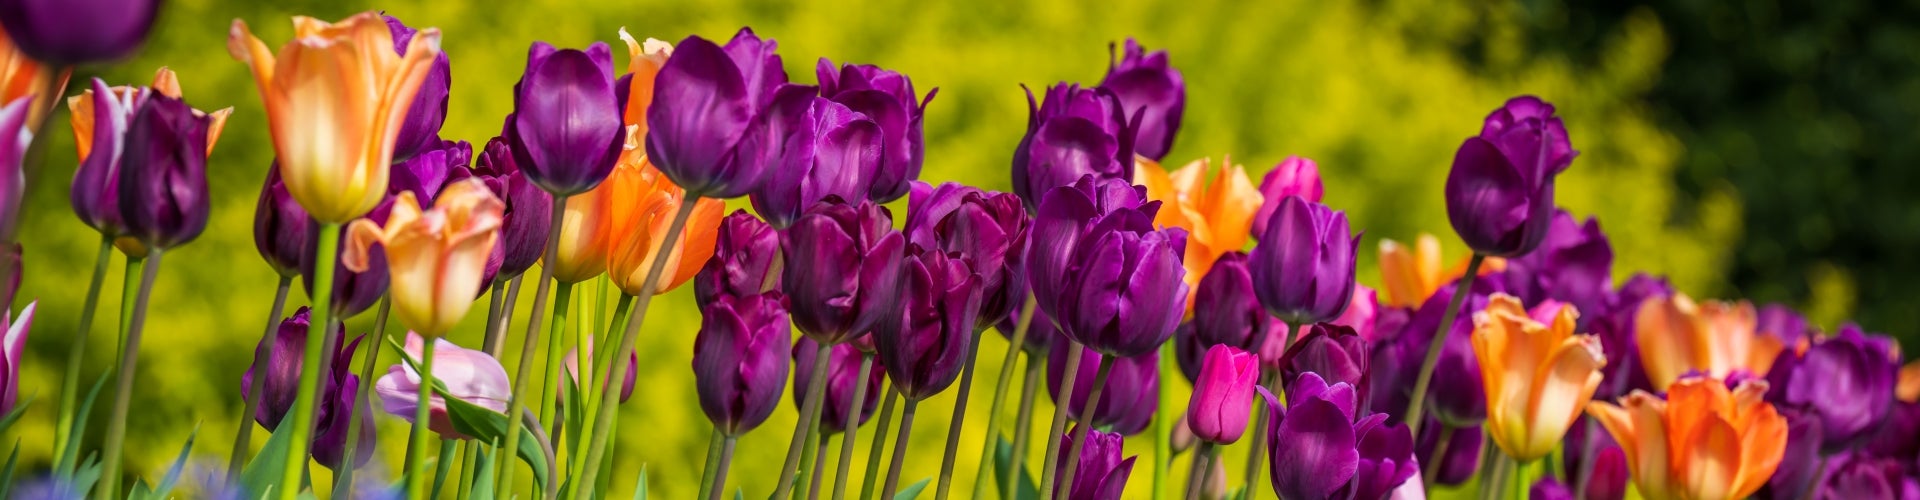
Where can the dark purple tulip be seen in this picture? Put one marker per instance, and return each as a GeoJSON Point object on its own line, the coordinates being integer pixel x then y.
{"type": "Point", "coordinates": [989, 228]}
{"type": "Point", "coordinates": [1857, 476]}
{"type": "Point", "coordinates": [1461, 401]}
{"type": "Point", "coordinates": [1573, 265]}
{"type": "Point", "coordinates": [353, 292]}
{"type": "Point", "coordinates": [163, 189]}
{"type": "Point", "coordinates": [923, 342]}
{"type": "Point", "coordinates": [73, 32]}
{"type": "Point", "coordinates": [1500, 191]}
{"type": "Point", "coordinates": [282, 382]}
{"type": "Point", "coordinates": [887, 98]}
{"type": "Point", "coordinates": [843, 375]}
{"type": "Point", "coordinates": [1320, 450]}
{"type": "Point", "coordinates": [95, 195]}
{"type": "Point", "coordinates": [1303, 266]}
{"type": "Point", "coordinates": [746, 255]}
{"type": "Point", "coordinates": [566, 130]}
{"type": "Point", "coordinates": [429, 170]}
{"type": "Point", "coordinates": [1800, 465]}
{"type": "Point", "coordinates": [1107, 278]}
{"type": "Point", "coordinates": [1102, 474]}
{"type": "Point", "coordinates": [1463, 453]}
{"type": "Point", "coordinates": [1609, 476]}
{"type": "Point", "coordinates": [1846, 380]}
{"type": "Point", "coordinates": [719, 115]}
{"type": "Point", "coordinates": [1225, 310]}
{"type": "Point", "coordinates": [1332, 352]}
{"type": "Point", "coordinates": [1780, 321]}
{"type": "Point", "coordinates": [1900, 435]}
{"type": "Point", "coordinates": [421, 130]}
{"type": "Point", "coordinates": [1076, 132]}
{"type": "Point", "coordinates": [280, 226]}
{"type": "Point", "coordinates": [523, 233]}
{"type": "Point", "coordinates": [1189, 352]}
{"type": "Point", "coordinates": [740, 360]}
{"type": "Point", "coordinates": [851, 277]}
{"type": "Point", "coordinates": [1549, 489]}
{"type": "Point", "coordinates": [1615, 327]}
{"type": "Point", "coordinates": [1131, 395]}
{"type": "Point", "coordinates": [1151, 89]}
{"type": "Point", "coordinates": [831, 151]}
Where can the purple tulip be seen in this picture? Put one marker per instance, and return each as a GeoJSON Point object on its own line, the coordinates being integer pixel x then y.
{"type": "Point", "coordinates": [843, 376]}
{"type": "Point", "coordinates": [12, 348]}
{"type": "Point", "coordinates": [1294, 176]}
{"type": "Point", "coordinates": [1131, 395]}
{"type": "Point", "coordinates": [1076, 132]}
{"type": "Point", "coordinates": [421, 131]}
{"type": "Point", "coordinates": [831, 151]}
{"type": "Point", "coordinates": [1500, 191]}
{"type": "Point", "coordinates": [1394, 364]}
{"type": "Point", "coordinates": [523, 233]}
{"type": "Point", "coordinates": [1320, 450]}
{"type": "Point", "coordinates": [746, 255]}
{"type": "Point", "coordinates": [353, 292]}
{"type": "Point", "coordinates": [1225, 310]}
{"type": "Point", "coordinates": [95, 195]}
{"type": "Point", "coordinates": [719, 115]}
{"type": "Point", "coordinates": [989, 228]}
{"type": "Point", "coordinates": [1614, 324]}
{"type": "Point", "coordinates": [1101, 474]}
{"type": "Point", "coordinates": [887, 98]}
{"type": "Point", "coordinates": [1332, 352]}
{"type": "Point", "coordinates": [1781, 322]}
{"type": "Point", "coordinates": [1609, 474]}
{"type": "Point", "coordinates": [566, 130]}
{"type": "Point", "coordinates": [1217, 411]}
{"type": "Point", "coordinates": [740, 359]}
{"type": "Point", "coordinates": [163, 192]}
{"type": "Point", "coordinates": [1151, 90]}
{"type": "Point", "coordinates": [469, 375]}
{"type": "Point", "coordinates": [1189, 352]}
{"type": "Point", "coordinates": [281, 380]}
{"type": "Point", "coordinates": [429, 170]}
{"type": "Point", "coordinates": [924, 339]}
{"type": "Point", "coordinates": [74, 32]}
{"type": "Point", "coordinates": [1900, 435]}
{"type": "Point", "coordinates": [280, 226]}
{"type": "Point", "coordinates": [1858, 476]}
{"type": "Point", "coordinates": [851, 275]}
{"type": "Point", "coordinates": [1462, 460]}
{"type": "Point", "coordinates": [1107, 278]}
{"type": "Point", "coordinates": [1846, 380]}
{"type": "Point", "coordinates": [1303, 267]}
{"type": "Point", "coordinates": [1574, 264]}
{"type": "Point", "coordinates": [1799, 466]}
{"type": "Point", "coordinates": [1549, 489]}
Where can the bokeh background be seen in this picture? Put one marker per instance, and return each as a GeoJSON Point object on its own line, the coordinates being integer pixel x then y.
{"type": "Point", "coordinates": [1744, 149]}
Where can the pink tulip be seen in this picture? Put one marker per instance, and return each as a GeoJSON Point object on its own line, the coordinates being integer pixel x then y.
{"type": "Point", "coordinates": [1223, 396]}
{"type": "Point", "coordinates": [470, 375]}
{"type": "Point", "coordinates": [12, 347]}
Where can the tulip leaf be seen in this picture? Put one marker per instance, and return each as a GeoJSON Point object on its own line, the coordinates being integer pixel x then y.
{"type": "Point", "coordinates": [483, 479]}
{"type": "Point", "coordinates": [1002, 461]}
{"type": "Point", "coordinates": [488, 425]}
{"type": "Point", "coordinates": [912, 491]}
{"type": "Point", "coordinates": [84, 477]}
{"type": "Point", "coordinates": [179, 464]}
{"type": "Point", "coordinates": [8, 420]}
{"type": "Point", "coordinates": [263, 473]}
{"type": "Point", "coordinates": [68, 457]}
{"type": "Point", "coordinates": [640, 486]}
{"type": "Point", "coordinates": [6, 474]}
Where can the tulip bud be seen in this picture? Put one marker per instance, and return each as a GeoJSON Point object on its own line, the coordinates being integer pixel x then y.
{"type": "Point", "coordinates": [1294, 176]}
{"type": "Point", "coordinates": [1333, 352]}
{"type": "Point", "coordinates": [1320, 450]}
{"type": "Point", "coordinates": [989, 228]}
{"type": "Point", "coordinates": [1181, 438]}
{"type": "Point", "coordinates": [565, 128]}
{"type": "Point", "coordinates": [280, 226]}
{"type": "Point", "coordinates": [68, 34]}
{"type": "Point", "coordinates": [1303, 267]}
{"type": "Point", "coordinates": [831, 151]}
{"type": "Point", "coordinates": [1500, 190]}
{"type": "Point", "coordinates": [1217, 411]}
{"type": "Point", "coordinates": [1846, 380]}
{"type": "Point", "coordinates": [924, 338]}
{"type": "Point", "coordinates": [843, 376]}
{"type": "Point", "coordinates": [572, 363]}
{"type": "Point", "coordinates": [1574, 264]}
{"type": "Point", "coordinates": [1226, 312]}
{"type": "Point", "coordinates": [740, 360]}
{"type": "Point", "coordinates": [468, 375]}
{"type": "Point", "coordinates": [1101, 473]}
{"type": "Point", "coordinates": [1131, 396]}
{"type": "Point", "coordinates": [1134, 304]}
{"type": "Point", "coordinates": [523, 230]}
{"type": "Point", "coordinates": [746, 260]}
{"type": "Point", "coordinates": [428, 109]}
{"type": "Point", "coordinates": [848, 270]}
{"type": "Point", "coordinates": [163, 192]}
{"type": "Point", "coordinates": [1076, 132]}
{"type": "Point", "coordinates": [12, 348]}
{"type": "Point", "coordinates": [719, 115]}
{"type": "Point", "coordinates": [886, 97]}
{"type": "Point", "coordinates": [1152, 92]}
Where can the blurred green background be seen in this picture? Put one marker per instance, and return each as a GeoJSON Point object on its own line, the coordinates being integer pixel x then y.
{"type": "Point", "coordinates": [1743, 149]}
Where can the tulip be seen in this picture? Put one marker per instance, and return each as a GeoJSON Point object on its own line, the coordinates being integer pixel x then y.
{"type": "Point", "coordinates": [1217, 412]}
{"type": "Point", "coordinates": [1607, 470]}
{"type": "Point", "coordinates": [23, 76]}
{"type": "Point", "coordinates": [1908, 388]}
{"type": "Point", "coordinates": [1462, 459]}
{"type": "Point", "coordinates": [1500, 190]}
{"type": "Point", "coordinates": [437, 255]}
{"type": "Point", "coordinates": [1537, 373]}
{"type": "Point", "coordinates": [584, 247]}
{"type": "Point", "coordinates": [1294, 176]}
{"type": "Point", "coordinates": [1677, 336]}
{"type": "Point", "coordinates": [1573, 265]}
{"type": "Point", "coordinates": [1362, 313]}
{"type": "Point", "coordinates": [1846, 380]}
{"type": "Point", "coordinates": [71, 34]}
{"type": "Point", "coordinates": [426, 173]}
{"type": "Point", "coordinates": [851, 273]}
{"type": "Point", "coordinates": [338, 392]}
{"type": "Point", "coordinates": [1704, 441]}
{"type": "Point", "coordinates": [336, 106]}
{"type": "Point", "coordinates": [719, 115]}
{"type": "Point", "coordinates": [163, 194]}
{"type": "Point", "coordinates": [1411, 276]}
{"type": "Point", "coordinates": [843, 376]}
{"type": "Point", "coordinates": [1101, 474]}
{"type": "Point", "coordinates": [523, 230]}
{"type": "Point", "coordinates": [12, 348]}
{"type": "Point", "coordinates": [1320, 450]}
{"type": "Point", "coordinates": [102, 118]}
{"type": "Point", "coordinates": [1108, 279]}
{"type": "Point", "coordinates": [746, 258]}
{"type": "Point", "coordinates": [1616, 328]}
{"type": "Point", "coordinates": [353, 291]}
{"type": "Point", "coordinates": [280, 226]}
{"type": "Point", "coordinates": [1304, 265]}
{"type": "Point", "coordinates": [990, 228]}
{"type": "Point", "coordinates": [1227, 313]}
{"type": "Point", "coordinates": [641, 203]}
{"type": "Point", "coordinates": [468, 375]}
{"type": "Point", "coordinates": [1131, 396]}
{"type": "Point", "coordinates": [1899, 437]}
{"type": "Point", "coordinates": [1217, 215]}
{"type": "Point", "coordinates": [1332, 352]}
{"type": "Point", "coordinates": [635, 89]}
{"type": "Point", "coordinates": [1856, 475]}
{"type": "Point", "coordinates": [923, 343]}
{"type": "Point", "coordinates": [832, 151]}
{"type": "Point", "coordinates": [428, 109]}
{"type": "Point", "coordinates": [886, 97]}
{"type": "Point", "coordinates": [1781, 322]}
{"type": "Point", "coordinates": [740, 359]}
{"type": "Point", "coordinates": [566, 128]}
{"type": "Point", "coordinates": [572, 363]}
{"type": "Point", "coordinates": [1461, 402]}
{"type": "Point", "coordinates": [1801, 463]}
{"type": "Point", "coordinates": [1154, 95]}
{"type": "Point", "coordinates": [1076, 132]}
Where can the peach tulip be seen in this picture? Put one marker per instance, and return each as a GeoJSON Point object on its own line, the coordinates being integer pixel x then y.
{"type": "Point", "coordinates": [22, 76]}
{"type": "Point", "coordinates": [437, 257]}
{"type": "Point", "coordinates": [583, 244]}
{"type": "Point", "coordinates": [1538, 377]}
{"type": "Point", "coordinates": [1217, 214]}
{"type": "Point", "coordinates": [1704, 442]}
{"type": "Point", "coordinates": [1677, 335]}
{"type": "Point", "coordinates": [643, 62]}
{"type": "Point", "coordinates": [642, 202]}
{"type": "Point", "coordinates": [1409, 276]}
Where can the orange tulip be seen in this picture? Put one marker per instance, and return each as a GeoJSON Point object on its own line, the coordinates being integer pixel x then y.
{"type": "Point", "coordinates": [21, 76]}
{"type": "Point", "coordinates": [1703, 442]}
{"type": "Point", "coordinates": [642, 203]}
{"type": "Point", "coordinates": [1538, 376]}
{"type": "Point", "coordinates": [583, 243]}
{"type": "Point", "coordinates": [1908, 389]}
{"type": "Point", "coordinates": [336, 96]}
{"type": "Point", "coordinates": [1217, 215]}
{"type": "Point", "coordinates": [644, 61]}
{"type": "Point", "coordinates": [1410, 276]}
{"type": "Point", "coordinates": [1676, 335]}
{"type": "Point", "coordinates": [436, 257]}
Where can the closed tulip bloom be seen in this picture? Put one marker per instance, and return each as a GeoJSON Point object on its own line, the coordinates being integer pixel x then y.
{"type": "Point", "coordinates": [428, 110]}
{"type": "Point", "coordinates": [1107, 278]}
{"type": "Point", "coordinates": [1151, 90]}
{"type": "Point", "coordinates": [1102, 474]}
{"type": "Point", "coordinates": [280, 226]}
{"type": "Point", "coordinates": [1322, 448]}
{"type": "Point", "coordinates": [1500, 190]}
{"type": "Point", "coordinates": [1217, 214]}
{"type": "Point", "coordinates": [1303, 267]}
{"type": "Point", "coordinates": [1538, 374]}
{"type": "Point", "coordinates": [1074, 133]}
{"type": "Point", "coordinates": [990, 228]}
{"type": "Point", "coordinates": [1411, 275]}
{"type": "Point", "coordinates": [1334, 353]}
{"type": "Point", "coordinates": [102, 117]}
{"type": "Point", "coordinates": [469, 375]}
{"type": "Point", "coordinates": [843, 376]}
{"type": "Point", "coordinates": [924, 340]}
{"type": "Point", "coordinates": [1217, 412]}
{"type": "Point", "coordinates": [572, 364]}
{"type": "Point", "coordinates": [1129, 400]}
{"type": "Point", "coordinates": [1847, 380]}
{"type": "Point", "coordinates": [12, 348]}
{"type": "Point", "coordinates": [1857, 475]}
{"type": "Point", "coordinates": [847, 270]}
{"type": "Point", "coordinates": [1703, 442]}
{"type": "Point", "coordinates": [1226, 312]}
{"type": "Point", "coordinates": [740, 360]}
{"type": "Point", "coordinates": [163, 192]}
{"type": "Point", "coordinates": [1294, 176]}
{"type": "Point", "coordinates": [886, 97]}
{"type": "Point", "coordinates": [1574, 264]}
{"type": "Point", "coordinates": [746, 260]}
{"type": "Point", "coordinates": [437, 255]}
{"type": "Point", "coordinates": [529, 210]}
{"type": "Point", "coordinates": [566, 127]}
{"type": "Point", "coordinates": [641, 203]}
{"type": "Point", "coordinates": [336, 97]}
{"type": "Point", "coordinates": [719, 114]}
{"type": "Point", "coordinates": [1676, 336]}
{"type": "Point", "coordinates": [281, 380]}
{"type": "Point", "coordinates": [1462, 459]}
{"type": "Point", "coordinates": [70, 33]}
{"type": "Point", "coordinates": [831, 151]}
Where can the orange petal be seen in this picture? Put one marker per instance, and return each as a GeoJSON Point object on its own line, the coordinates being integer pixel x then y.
{"type": "Point", "coordinates": [1710, 460]}
{"type": "Point", "coordinates": [1908, 389]}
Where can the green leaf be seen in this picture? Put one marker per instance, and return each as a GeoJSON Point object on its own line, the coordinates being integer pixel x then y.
{"type": "Point", "coordinates": [6, 475]}
{"type": "Point", "coordinates": [483, 478]}
{"type": "Point", "coordinates": [7, 421]}
{"type": "Point", "coordinates": [69, 457]}
{"type": "Point", "coordinates": [640, 486]}
{"type": "Point", "coordinates": [1003, 460]}
{"type": "Point", "coordinates": [262, 474]}
{"type": "Point", "coordinates": [912, 491]}
{"type": "Point", "coordinates": [488, 425]}
{"type": "Point", "coordinates": [740, 493]}
{"type": "Point", "coordinates": [179, 464]}
{"type": "Point", "coordinates": [140, 491]}
{"type": "Point", "coordinates": [85, 477]}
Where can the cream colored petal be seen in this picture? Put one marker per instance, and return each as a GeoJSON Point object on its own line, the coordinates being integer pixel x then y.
{"type": "Point", "coordinates": [166, 83]}
{"type": "Point", "coordinates": [1562, 387]}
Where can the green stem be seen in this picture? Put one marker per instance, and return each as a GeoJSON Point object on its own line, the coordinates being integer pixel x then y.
{"type": "Point", "coordinates": [123, 388]}
{"type": "Point", "coordinates": [1439, 455]}
{"type": "Point", "coordinates": [70, 386]}
{"type": "Point", "coordinates": [1584, 476]}
{"type": "Point", "coordinates": [495, 300]}
{"type": "Point", "coordinates": [899, 449]}
{"type": "Point", "coordinates": [1495, 486]}
{"type": "Point", "coordinates": [1209, 455]}
{"type": "Point", "coordinates": [852, 426]}
{"type": "Point", "coordinates": [529, 345]}
{"type": "Point", "coordinates": [417, 445]}
{"type": "Point", "coordinates": [713, 461]}
{"type": "Point", "coordinates": [1014, 346]}
{"type": "Point", "coordinates": [363, 401]}
{"type": "Point", "coordinates": [325, 250]}
{"type": "Point", "coordinates": [807, 436]}
{"type": "Point", "coordinates": [1162, 440]}
{"type": "Point", "coordinates": [497, 336]}
{"type": "Point", "coordinates": [264, 353]}
{"type": "Point", "coordinates": [720, 475]}
{"type": "Point", "coordinates": [819, 466]}
{"type": "Point", "coordinates": [556, 335]}
{"type": "Point", "coordinates": [1416, 409]}
{"type": "Point", "coordinates": [1023, 425]}
{"type": "Point", "coordinates": [1071, 371]}
{"type": "Point", "coordinates": [448, 448]}
{"type": "Point", "coordinates": [601, 362]}
{"type": "Point", "coordinates": [959, 417]}
{"type": "Point", "coordinates": [129, 285]}
{"type": "Point", "coordinates": [879, 444]}
{"type": "Point", "coordinates": [1086, 419]}
{"type": "Point", "coordinates": [1257, 455]}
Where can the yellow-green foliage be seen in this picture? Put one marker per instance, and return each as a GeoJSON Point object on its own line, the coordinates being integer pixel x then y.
{"type": "Point", "coordinates": [1370, 89]}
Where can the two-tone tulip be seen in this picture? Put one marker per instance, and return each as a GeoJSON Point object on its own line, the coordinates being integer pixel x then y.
{"type": "Point", "coordinates": [467, 375]}
{"type": "Point", "coordinates": [740, 359]}
{"type": "Point", "coordinates": [1294, 176]}
{"type": "Point", "coordinates": [73, 34]}
{"type": "Point", "coordinates": [1074, 133]}
{"type": "Point", "coordinates": [1217, 214]}
{"type": "Point", "coordinates": [1574, 264]}
{"type": "Point", "coordinates": [428, 109]}
{"type": "Point", "coordinates": [336, 97]}
{"type": "Point", "coordinates": [848, 272]}
{"type": "Point", "coordinates": [1538, 374]}
{"type": "Point", "coordinates": [1100, 474]}
{"type": "Point", "coordinates": [22, 75]}
{"type": "Point", "coordinates": [1108, 278]}
{"type": "Point", "coordinates": [924, 338]}
{"type": "Point", "coordinates": [163, 193]}
{"type": "Point", "coordinates": [886, 97]}
{"type": "Point", "coordinates": [566, 127]}
{"type": "Point", "coordinates": [1217, 412]}
{"type": "Point", "coordinates": [990, 228]}
{"type": "Point", "coordinates": [1334, 353]}
{"type": "Point", "coordinates": [641, 204]}
{"type": "Point", "coordinates": [1500, 191]}
{"type": "Point", "coordinates": [719, 115]}
{"type": "Point", "coordinates": [102, 118]}
{"type": "Point", "coordinates": [746, 260]}
{"type": "Point", "coordinates": [831, 151]}
{"type": "Point", "coordinates": [1702, 441]}
{"type": "Point", "coordinates": [1303, 268]}
{"type": "Point", "coordinates": [1130, 399]}
{"type": "Point", "coordinates": [1846, 380]}
{"type": "Point", "coordinates": [280, 383]}
{"type": "Point", "coordinates": [529, 210]}
{"type": "Point", "coordinates": [13, 346]}
{"type": "Point", "coordinates": [1677, 336]}
{"type": "Point", "coordinates": [1152, 92]}
{"type": "Point", "coordinates": [1323, 448]}
{"type": "Point", "coordinates": [437, 255]}
{"type": "Point", "coordinates": [843, 378]}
